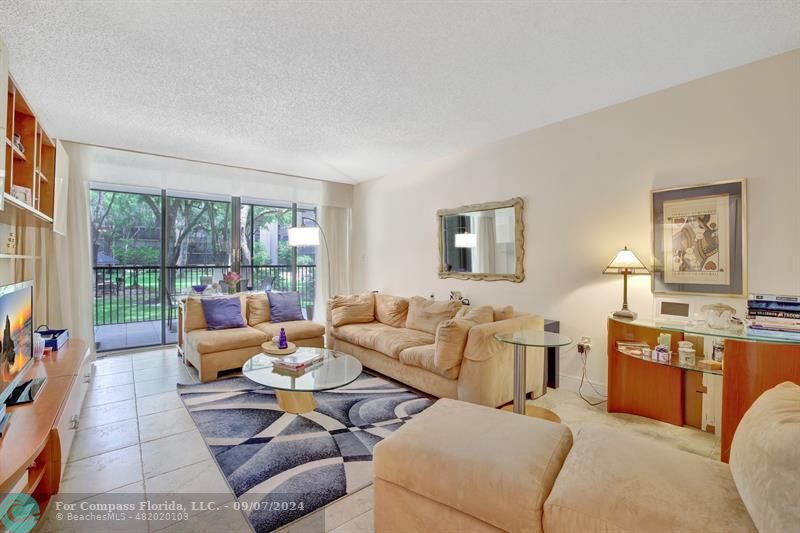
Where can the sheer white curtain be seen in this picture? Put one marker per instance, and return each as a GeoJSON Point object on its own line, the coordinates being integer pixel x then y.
{"type": "Point", "coordinates": [69, 269]}
{"type": "Point", "coordinates": [483, 255]}
{"type": "Point", "coordinates": [335, 223]}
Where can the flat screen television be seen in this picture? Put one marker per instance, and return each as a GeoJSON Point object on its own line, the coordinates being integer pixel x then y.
{"type": "Point", "coordinates": [16, 344]}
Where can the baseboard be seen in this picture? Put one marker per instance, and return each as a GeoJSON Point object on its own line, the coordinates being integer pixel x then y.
{"type": "Point", "coordinates": [572, 383]}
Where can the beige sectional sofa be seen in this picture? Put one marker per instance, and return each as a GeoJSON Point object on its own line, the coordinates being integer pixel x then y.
{"type": "Point", "coordinates": [462, 467]}
{"type": "Point", "coordinates": [212, 351]}
{"type": "Point", "coordinates": [440, 348]}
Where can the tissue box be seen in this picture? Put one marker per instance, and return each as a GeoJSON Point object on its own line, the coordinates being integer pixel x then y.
{"type": "Point", "coordinates": [54, 339]}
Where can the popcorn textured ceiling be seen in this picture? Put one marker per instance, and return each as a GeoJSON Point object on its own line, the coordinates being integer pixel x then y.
{"type": "Point", "coordinates": [348, 91]}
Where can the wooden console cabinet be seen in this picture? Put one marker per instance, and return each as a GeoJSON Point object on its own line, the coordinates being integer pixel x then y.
{"type": "Point", "coordinates": [36, 446]}
{"type": "Point", "coordinates": [641, 387]}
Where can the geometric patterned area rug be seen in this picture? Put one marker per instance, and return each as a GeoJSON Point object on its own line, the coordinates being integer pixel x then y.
{"type": "Point", "coordinates": [282, 466]}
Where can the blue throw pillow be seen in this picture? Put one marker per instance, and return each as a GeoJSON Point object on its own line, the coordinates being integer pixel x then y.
{"type": "Point", "coordinates": [285, 306]}
{"type": "Point", "coordinates": [223, 313]}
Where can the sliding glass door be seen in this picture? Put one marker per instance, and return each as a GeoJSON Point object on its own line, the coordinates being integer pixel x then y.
{"type": "Point", "coordinates": [197, 246]}
{"type": "Point", "coordinates": [149, 250]}
{"type": "Point", "coordinates": [126, 268]}
{"type": "Point", "coordinates": [267, 262]}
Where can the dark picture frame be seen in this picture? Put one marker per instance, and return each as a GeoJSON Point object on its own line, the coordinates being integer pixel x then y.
{"type": "Point", "coordinates": [716, 263]}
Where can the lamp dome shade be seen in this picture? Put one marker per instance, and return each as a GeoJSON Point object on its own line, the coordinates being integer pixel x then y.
{"type": "Point", "coordinates": [466, 240]}
{"type": "Point", "coordinates": [626, 260]}
{"type": "Point", "coordinates": [303, 236]}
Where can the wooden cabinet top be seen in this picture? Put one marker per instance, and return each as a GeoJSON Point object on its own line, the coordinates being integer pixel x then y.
{"type": "Point", "coordinates": [30, 424]}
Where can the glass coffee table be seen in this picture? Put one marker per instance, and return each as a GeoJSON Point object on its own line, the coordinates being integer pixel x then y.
{"type": "Point", "coordinates": [521, 340]}
{"type": "Point", "coordinates": [295, 394]}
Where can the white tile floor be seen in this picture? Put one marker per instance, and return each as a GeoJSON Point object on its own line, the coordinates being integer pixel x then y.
{"type": "Point", "coordinates": [136, 437]}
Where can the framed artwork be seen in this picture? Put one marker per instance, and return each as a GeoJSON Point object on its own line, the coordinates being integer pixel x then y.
{"type": "Point", "coordinates": [700, 239]}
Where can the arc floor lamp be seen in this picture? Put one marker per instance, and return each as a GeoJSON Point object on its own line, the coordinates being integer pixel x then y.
{"type": "Point", "coordinates": [310, 236]}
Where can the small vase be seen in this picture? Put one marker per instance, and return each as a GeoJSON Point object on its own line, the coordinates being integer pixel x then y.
{"type": "Point", "coordinates": [283, 342]}
{"type": "Point", "coordinates": [231, 289]}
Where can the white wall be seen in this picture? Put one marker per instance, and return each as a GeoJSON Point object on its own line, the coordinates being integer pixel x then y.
{"type": "Point", "coordinates": [586, 182]}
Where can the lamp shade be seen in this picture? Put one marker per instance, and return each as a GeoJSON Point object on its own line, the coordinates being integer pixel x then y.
{"type": "Point", "coordinates": [466, 240]}
{"type": "Point", "coordinates": [303, 236]}
{"type": "Point", "coordinates": [625, 262]}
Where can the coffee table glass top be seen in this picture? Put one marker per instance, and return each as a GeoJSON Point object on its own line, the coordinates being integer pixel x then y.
{"type": "Point", "coordinates": [337, 369]}
{"type": "Point", "coordinates": [534, 338]}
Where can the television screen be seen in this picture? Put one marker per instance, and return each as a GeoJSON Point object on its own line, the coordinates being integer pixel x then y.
{"type": "Point", "coordinates": [16, 343]}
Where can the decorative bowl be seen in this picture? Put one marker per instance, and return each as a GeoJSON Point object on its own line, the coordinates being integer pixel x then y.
{"type": "Point", "coordinates": [199, 288]}
{"type": "Point", "coordinates": [271, 348]}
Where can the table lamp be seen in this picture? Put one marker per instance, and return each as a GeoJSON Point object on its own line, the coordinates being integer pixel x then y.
{"type": "Point", "coordinates": [625, 263]}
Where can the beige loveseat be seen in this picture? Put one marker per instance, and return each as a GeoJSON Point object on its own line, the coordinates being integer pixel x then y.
{"type": "Point", "coordinates": [437, 347]}
{"type": "Point", "coordinates": [212, 351]}
{"type": "Point", "coordinates": [460, 467]}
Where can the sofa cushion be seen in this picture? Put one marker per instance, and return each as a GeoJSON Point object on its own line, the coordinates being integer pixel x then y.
{"type": "Point", "coordinates": [391, 310]}
{"type": "Point", "coordinates": [425, 314]}
{"type": "Point", "coordinates": [257, 309]}
{"type": "Point", "coordinates": [382, 338]}
{"type": "Point", "coordinates": [360, 334]}
{"type": "Point", "coordinates": [503, 313]}
{"type": "Point", "coordinates": [451, 338]}
{"type": "Point", "coordinates": [352, 309]}
{"type": "Point", "coordinates": [193, 316]}
{"type": "Point", "coordinates": [765, 459]}
{"type": "Point", "coordinates": [423, 357]}
{"type": "Point", "coordinates": [284, 307]}
{"type": "Point", "coordinates": [395, 340]}
{"type": "Point", "coordinates": [295, 329]}
{"type": "Point", "coordinates": [616, 481]}
{"type": "Point", "coordinates": [480, 315]}
{"type": "Point", "coordinates": [223, 313]}
{"type": "Point", "coordinates": [493, 465]}
{"type": "Point", "coordinates": [212, 341]}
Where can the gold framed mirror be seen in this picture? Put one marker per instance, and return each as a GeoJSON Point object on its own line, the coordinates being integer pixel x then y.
{"type": "Point", "coordinates": [482, 241]}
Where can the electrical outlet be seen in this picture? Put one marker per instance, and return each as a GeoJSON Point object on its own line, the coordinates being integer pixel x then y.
{"type": "Point", "coordinates": [585, 345]}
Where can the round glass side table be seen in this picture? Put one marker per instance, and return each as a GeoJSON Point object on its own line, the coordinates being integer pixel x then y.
{"type": "Point", "coordinates": [521, 340]}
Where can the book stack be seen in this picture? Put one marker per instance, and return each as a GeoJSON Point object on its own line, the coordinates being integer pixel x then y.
{"type": "Point", "coordinates": [774, 316]}
{"type": "Point", "coordinates": [297, 363]}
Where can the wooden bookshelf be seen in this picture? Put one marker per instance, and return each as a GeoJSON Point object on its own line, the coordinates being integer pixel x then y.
{"type": "Point", "coordinates": [30, 162]}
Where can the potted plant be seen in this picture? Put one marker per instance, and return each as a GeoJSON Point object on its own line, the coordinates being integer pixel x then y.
{"type": "Point", "coordinates": [231, 279]}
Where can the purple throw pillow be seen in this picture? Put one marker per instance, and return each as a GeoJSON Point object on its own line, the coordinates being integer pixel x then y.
{"type": "Point", "coordinates": [223, 313]}
{"type": "Point", "coordinates": [285, 306]}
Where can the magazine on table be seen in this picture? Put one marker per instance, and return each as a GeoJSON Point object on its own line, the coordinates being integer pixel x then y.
{"type": "Point", "coordinates": [297, 362]}
{"type": "Point", "coordinates": [296, 373]}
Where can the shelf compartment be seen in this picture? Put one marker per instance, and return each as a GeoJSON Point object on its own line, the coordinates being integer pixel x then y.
{"type": "Point", "coordinates": [15, 151]}
{"type": "Point", "coordinates": [18, 212]}
{"type": "Point", "coordinates": [34, 169]}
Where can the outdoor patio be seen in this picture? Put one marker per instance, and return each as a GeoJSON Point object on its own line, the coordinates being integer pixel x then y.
{"type": "Point", "coordinates": [121, 336]}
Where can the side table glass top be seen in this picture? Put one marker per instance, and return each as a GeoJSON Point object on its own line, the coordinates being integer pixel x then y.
{"type": "Point", "coordinates": [543, 339]}
{"type": "Point", "coordinates": [337, 369]}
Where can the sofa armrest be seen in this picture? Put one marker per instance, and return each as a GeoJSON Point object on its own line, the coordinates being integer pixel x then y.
{"type": "Point", "coordinates": [481, 343]}
{"type": "Point", "coordinates": [487, 370]}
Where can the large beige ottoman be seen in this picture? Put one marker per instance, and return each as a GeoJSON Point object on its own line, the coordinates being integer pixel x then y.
{"type": "Point", "coordinates": [617, 482]}
{"type": "Point", "coordinates": [464, 467]}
